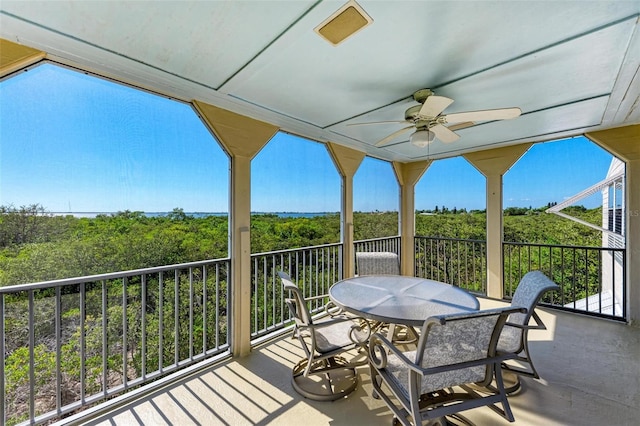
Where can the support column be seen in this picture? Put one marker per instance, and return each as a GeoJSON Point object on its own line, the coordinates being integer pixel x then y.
{"type": "Point", "coordinates": [15, 56]}
{"type": "Point", "coordinates": [408, 175]}
{"type": "Point", "coordinates": [624, 143]}
{"type": "Point", "coordinates": [347, 161]}
{"type": "Point", "coordinates": [242, 137]}
{"type": "Point", "coordinates": [493, 164]}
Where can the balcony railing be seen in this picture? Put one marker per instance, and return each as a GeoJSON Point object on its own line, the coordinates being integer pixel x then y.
{"type": "Point", "coordinates": [315, 269]}
{"type": "Point", "coordinates": [591, 279]}
{"type": "Point", "coordinates": [462, 263]}
{"type": "Point", "coordinates": [70, 343]}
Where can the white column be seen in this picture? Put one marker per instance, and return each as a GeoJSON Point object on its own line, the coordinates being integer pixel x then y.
{"type": "Point", "coordinates": [242, 138]}
{"type": "Point", "coordinates": [347, 162]}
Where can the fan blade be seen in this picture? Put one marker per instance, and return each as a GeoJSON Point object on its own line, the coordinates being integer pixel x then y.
{"type": "Point", "coordinates": [434, 105]}
{"type": "Point", "coordinates": [462, 125]}
{"type": "Point", "coordinates": [445, 134]}
{"type": "Point", "coordinates": [393, 136]}
{"type": "Point", "coordinates": [377, 122]}
{"type": "Point", "coordinates": [484, 115]}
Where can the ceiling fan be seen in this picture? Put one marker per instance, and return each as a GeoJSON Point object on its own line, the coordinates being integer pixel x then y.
{"type": "Point", "coordinates": [429, 122]}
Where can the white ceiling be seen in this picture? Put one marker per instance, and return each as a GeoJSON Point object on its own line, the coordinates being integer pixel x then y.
{"type": "Point", "coordinates": [571, 66]}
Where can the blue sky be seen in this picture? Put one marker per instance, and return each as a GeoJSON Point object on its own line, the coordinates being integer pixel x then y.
{"type": "Point", "coordinates": [71, 142]}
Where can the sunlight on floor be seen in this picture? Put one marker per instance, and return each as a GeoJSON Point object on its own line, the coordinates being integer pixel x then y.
{"type": "Point", "coordinates": [577, 386]}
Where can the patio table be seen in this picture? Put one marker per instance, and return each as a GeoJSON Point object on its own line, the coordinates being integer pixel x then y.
{"type": "Point", "coordinates": [399, 299]}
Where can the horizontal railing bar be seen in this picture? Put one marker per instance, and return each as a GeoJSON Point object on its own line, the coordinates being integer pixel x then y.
{"type": "Point", "coordinates": [270, 253]}
{"type": "Point", "coordinates": [369, 240]}
{"type": "Point", "coordinates": [512, 243]}
{"type": "Point", "coordinates": [465, 240]}
{"type": "Point", "coordinates": [582, 312]}
{"type": "Point", "coordinates": [109, 276]}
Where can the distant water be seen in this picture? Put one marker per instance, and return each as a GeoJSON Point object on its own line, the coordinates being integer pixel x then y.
{"type": "Point", "coordinates": [296, 214]}
{"type": "Point", "coordinates": [196, 214]}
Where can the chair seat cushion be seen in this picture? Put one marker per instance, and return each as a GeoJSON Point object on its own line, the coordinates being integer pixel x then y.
{"type": "Point", "coordinates": [334, 336]}
{"type": "Point", "coordinates": [398, 372]}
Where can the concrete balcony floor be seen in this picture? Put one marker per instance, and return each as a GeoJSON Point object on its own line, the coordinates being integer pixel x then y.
{"type": "Point", "coordinates": [590, 372]}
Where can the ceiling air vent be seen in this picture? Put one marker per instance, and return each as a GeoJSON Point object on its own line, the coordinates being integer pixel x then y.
{"type": "Point", "coordinates": [345, 22]}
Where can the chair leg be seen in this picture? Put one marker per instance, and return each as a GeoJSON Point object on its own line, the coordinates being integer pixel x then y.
{"type": "Point", "coordinates": [506, 408]}
{"type": "Point", "coordinates": [400, 414]}
{"type": "Point", "coordinates": [493, 386]}
{"type": "Point", "coordinates": [529, 360]}
{"type": "Point", "coordinates": [517, 384]}
{"type": "Point", "coordinates": [411, 336]}
{"type": "Point", "coordinates": [325, 380]}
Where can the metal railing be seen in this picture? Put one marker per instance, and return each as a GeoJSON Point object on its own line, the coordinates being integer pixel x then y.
{"type": "Point", "coordinates": [383, 244]}
{"type": "Point", "coordinates": [591, 279]}
{"type": "Point", "coordinates": [70, 343]}
{"type": "Point", "coordinates": [315, 269]}
{"type": "Point", "coordinates": [462, 263]}
{"type": "Point", "coordinates": [81, 340]}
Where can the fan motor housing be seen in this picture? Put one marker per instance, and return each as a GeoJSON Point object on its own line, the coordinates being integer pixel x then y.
{"type": "Point", "coordinates": [412, 113]}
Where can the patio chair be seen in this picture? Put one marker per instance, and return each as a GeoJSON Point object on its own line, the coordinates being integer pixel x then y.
{"type": "Point", "coordinates": [455, 356]}
{"type": "Point", "coordinates": [385, 263]}
{"type": "Point", "coordinates": [325, 374]}
{"type": "Point", "coordinates": [514, 337]}
{"type": "Point", "coordinates": [377, 263]}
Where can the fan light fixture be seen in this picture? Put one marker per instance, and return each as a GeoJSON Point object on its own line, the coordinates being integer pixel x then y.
{"type": "Point", "coordinates": [422, 138]}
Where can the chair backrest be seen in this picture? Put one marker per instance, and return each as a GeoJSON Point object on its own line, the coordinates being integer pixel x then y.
{"type": "Point", "coordinates": [528, 293]}
{"type": "Point", "coordinates": [377, 263]}
{"type": "Point", "coordinates": [454, 339]}
{"type": "Point", "coordinates": [296, 303]}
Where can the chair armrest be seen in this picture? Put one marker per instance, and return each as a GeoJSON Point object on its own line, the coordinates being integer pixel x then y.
{"type": "Point", "coordinates": [380, 346]}
{"type": "Point", "coordinates": [333, 310]}
{"type": "Point", "coordinates": [332, 321]}
{"type": "Point", "coordinates": [330, 307]}
{"type": "Point", "coordinates": [360, 331]}
{"type": "Point", "coordinates": [539, 325]}
{"type": "Point", "coordinates": [320, 296]}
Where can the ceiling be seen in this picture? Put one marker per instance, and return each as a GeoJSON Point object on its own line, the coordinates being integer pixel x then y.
{"type": "Point", "coordinates": [570, 66]}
